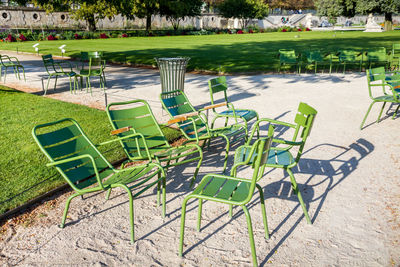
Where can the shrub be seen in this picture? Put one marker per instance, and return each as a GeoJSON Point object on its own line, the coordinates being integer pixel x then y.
{"type": "Point", "coordinates": [51, 37]}
{"type": "Point", "coordinates": [239, 32]}
{"type": "Point", "coordinates": [124, 35]}
{"type": "Point", "coordinates": [103, 36]}
{"type": "Point", "coordinates": [10, 38]}
{"type": "Point", "coordinates": [22, 38]}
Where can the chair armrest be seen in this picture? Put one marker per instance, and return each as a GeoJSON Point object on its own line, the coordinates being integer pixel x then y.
{"type": "Point", "coordinates": [127, 137]}
{"type": "Point", "coordinates": [121, 130]}
{"type": "Point", "coordinates": [16, 59]}
{"type": "Point", "coordinates": [285, 142]}
{"type": "Point", "coordinates": [182, 117]}
{"type": "Point", "coordinates": [213, 106]}
{"type": "Point", "coordinates": [58, 162]}
{"type": "Point", "coordinates": [272, 121]}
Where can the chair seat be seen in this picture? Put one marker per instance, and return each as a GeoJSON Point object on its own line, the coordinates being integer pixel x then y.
{"type": "Point", "coordinates": [245, 114]}
{"type": "Point", "coordinates": [11, 64]}
{"type": "Point", "coordinates": [92, 72]}
{"type": "Point", "coordinates": [162, 153]}
{"type": "Point", "coordinates": [228, 131]}
{"type": "Point", "coordinates": [222, 189]}
{"type": "Point", "coordinates": [385, 98]}
{"type": "Point", "coordinates": [276, 157]}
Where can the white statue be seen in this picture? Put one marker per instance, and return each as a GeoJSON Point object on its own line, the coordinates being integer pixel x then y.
{"type": "Point", "coordinates": [371, 25]}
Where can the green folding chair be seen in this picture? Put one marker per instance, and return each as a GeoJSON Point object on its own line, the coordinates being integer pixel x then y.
{"type": "Point", "coordinates": [57, 69]}
{"type": "Point", "coordinates": [233, 190]}
{"type": "Point", "coordinates": [85, 58]}
{"type": "Point", "coordinates": [136, 116]}
{"type": "Point", "coordinates": [280, 156]}
{"type": "Point", "coordinates": [315, 58]}
{"type": "Point", "coordinates": [377, 56]}
{"type": "Point", "coordinates": [11, 62]}
{"type": "Point", "coordinates": [95, 69]}
{"type": "Point", "coordinates": [377, 78]}
{"type": "Point", "coordinates": [288, 57]}
{"type": "Point", "coordinates": [348, 57]}
{"type": "Point", "coordinates": [395, 57]}
{"type": "Point", "coordinates": [219, 85]}
{"type": "Point", "coordinates": [86, 170]}
{"type": "Point", "coordinates": [194, 124]}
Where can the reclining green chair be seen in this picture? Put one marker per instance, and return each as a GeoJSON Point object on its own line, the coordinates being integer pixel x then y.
{"type": "Point", "coordinates": [86, 170]}
{"type": "Point", "coordinates": [288, 57]}
{"type": "Point", "coordinates": [280, 156]}
{"type": "Point", "coordinates": [217, 85]}
{"type": "Point", "coordinates": [137, 114]}
{"type": "Point", "coordinates": [377, 78]}
{"type": "Point", "coordinates": [11, 62]}
{"type": "Point", "coordinates": [194, 124]}
{"type": "Point", "coordinates": [57, 69]}
{"type": "Point", "coordinates": [233, 190]}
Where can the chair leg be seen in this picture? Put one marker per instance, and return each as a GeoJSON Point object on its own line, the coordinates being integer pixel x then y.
{"type": "Point", "coordinates": [163, 194]}
{"type": "Point", "coordinates": [263, 212]}
{"type": "Point", "coordinates": [199, 211]}
{"type": "Point", "coordinates": [197, 169]}
{"type": "Point", "coordinates": [182, 232]}
{"type": "Point", "coordinates": [66, 209]}
{"type": "Point", "coordinates": [158, 193]}
{"type": "Point", "coordinates": [55, 83]}
{"type": "Point", "coordinates": [251, 236]}
{"type": "Point", "coordinates": [230, 211]}
{"type": "Point", "coordinates": [47, 85]}
{"type": "Point", "coordinates": [104, 78]}
{"type": "Point", "coordinates": [5, 74]}
{"type": "Point", "coordinates": [395, 113]}
{"type": "Point", "coordinates": [131, 212]}
{"type": "Point", "coordinates": [366, 115]}
{"type": "Point", "coordinates": [108, 194]}
{"type": "Point", "coordinates": [226, 152]}
{"type": "Point", "coordinates": [298, 193]}
{"type": "Point", "coordinates": [380, 113]}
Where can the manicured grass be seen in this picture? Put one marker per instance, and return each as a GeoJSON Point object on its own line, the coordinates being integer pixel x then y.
{"type": "Point", "coordinates": [226, 53]}
{"type": "Point", "coordinates": [22, 164]}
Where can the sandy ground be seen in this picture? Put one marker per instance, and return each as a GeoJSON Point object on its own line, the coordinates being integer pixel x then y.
{"type": "Point", "coordinates": [349, 179]}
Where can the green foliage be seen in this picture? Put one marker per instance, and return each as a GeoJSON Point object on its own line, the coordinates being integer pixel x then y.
{"type": "Point", "coordinates": [177, 10]}
{"type": "Point", "coordinates": [244, 10]}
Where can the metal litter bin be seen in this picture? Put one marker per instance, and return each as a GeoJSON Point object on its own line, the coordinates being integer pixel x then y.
{"type": "Point", "coordinates": [172, 73]}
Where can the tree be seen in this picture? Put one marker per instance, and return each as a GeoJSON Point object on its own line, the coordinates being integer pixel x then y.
{"type": "Point", "coordinates": [177, 10]}
{"type": "Point", "coordinates": [291, 4]}
{"type": "Point", "coordinates": [348, 8]}
{"type": "Point", "coordinates": [144, 9]}
{"type": "Point", "coordinates": [386, 7]}
{"type": "Point", "coordinates": [244, 10]}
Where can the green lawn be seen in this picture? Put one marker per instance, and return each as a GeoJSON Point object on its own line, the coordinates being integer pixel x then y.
{"type": "Point", "coordinates": [22, 164]}
{"type": "Point", "coordinates": [227, 53]}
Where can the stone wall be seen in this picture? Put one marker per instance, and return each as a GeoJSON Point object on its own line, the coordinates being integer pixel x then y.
{"type": "Point", "coordinates": [31, 18]}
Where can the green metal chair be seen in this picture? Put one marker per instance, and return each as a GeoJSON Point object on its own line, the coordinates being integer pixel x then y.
{"type": "Point", "coordinates": [280, 156]}
{"type": "Point", "coordinates": [233, 190]}
{"type": "Point", "coordinates": [138, 115]}
{"type": "Point", "coordinates": [85, 57]}
{"type": "Point", "coordinates": [377, 56]}
{"type": "Point", "coordinates": [11, 62]}
{"type": "Point", "coordinates": [347, 57]}
{"type": "Point", "coordinates": [377, 78]}
{"type": "Point", "coordinates": [95, 69]}
{"type": "Point", "coordinates": [86, 170]}
{"type": "Point", "coordinates": [218, 85]}
{"type": "Point", "coordinates": [315, 58]}
{"type": "Point", "coordinates": [57, 69]}
{"type": "Point", "coordinates": [395, 57]}
{"type": "Point", "coordinates": [288, 57]}
{"type": "Point", "coordinates": [194, 124]}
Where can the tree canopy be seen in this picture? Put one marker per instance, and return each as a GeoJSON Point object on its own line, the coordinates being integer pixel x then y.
{"type": "Point", "coordinates": [348, 8]}
{"type": "Point", "coordinates": [244, 10]}
{"type": "Point", "coordinates": [177, 10]}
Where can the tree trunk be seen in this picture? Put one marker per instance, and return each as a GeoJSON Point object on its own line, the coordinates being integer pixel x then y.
{"type": "Point", "coordinates": [148, 23]}
{"type": "Point", "coordinates": [91, 23]}
{"type": "Point", "coordinates": [388, 22]}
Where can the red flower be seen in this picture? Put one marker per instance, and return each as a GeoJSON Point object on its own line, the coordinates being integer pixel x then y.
{"type": "Point", "coordinates": [103, 36]}
{"type": "Point", "coordinates": [250, 31]}
{"type": "Point", "coordinates": [51, 38]}
{"type": "Point", "coordinates": [124, 35]}
{"type": "Point", "coordinates": [239, 32]}
{"type": "Point", "coordinates": [77, 36]}
{"type": "Point", "coordinates": [284, 30]}
{"type": "Point", "coordinates": [22, 38]}
{"type": "Point", "coordinates": [299, 30]}
{"type": "Point", "coordinates": [10, 38]}
{"type": "Point", "coordinates": [307, 29]}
